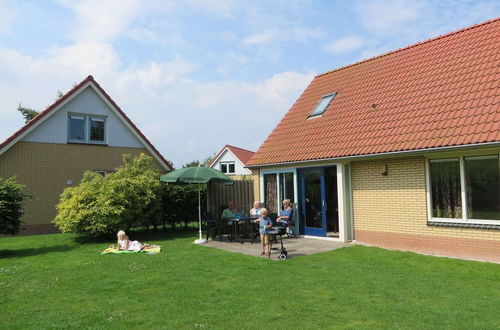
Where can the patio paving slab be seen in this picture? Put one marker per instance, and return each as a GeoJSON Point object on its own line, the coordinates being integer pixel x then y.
{"type": "Point", "coordinates": [295, 246]}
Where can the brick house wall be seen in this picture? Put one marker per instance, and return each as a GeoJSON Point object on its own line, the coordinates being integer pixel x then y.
{"type": "Point", "coordinates": [256, 184]}
{"type": "Point", "coordinates": [45, 169]}
{"type": "Point", "coordinates": [391, 211]}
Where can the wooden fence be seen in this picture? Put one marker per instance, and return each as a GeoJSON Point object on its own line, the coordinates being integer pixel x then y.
{"type": "Point", "coordinates": [241, 193]}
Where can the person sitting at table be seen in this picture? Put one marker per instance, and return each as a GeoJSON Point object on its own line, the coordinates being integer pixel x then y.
{"type": "Point", "coordinates": [230, 212]}
{"type": "Point", "coordinates": [254, 212]}
{"type": "Point", "coordinates": [284, 217]}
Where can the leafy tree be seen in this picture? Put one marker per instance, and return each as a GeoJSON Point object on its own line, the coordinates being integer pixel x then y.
{"type": "Point", "coordinates": [197, 162]}
{"type": "Point", "coordinates": [191, 164]}
{"type": "Point", "coordinates": [11, 197]}
{"type": "Point", "coordinates": [102, 205]}
{"type": "Point", "coordinates": [27, 113]}
{"type": "Point", "coordinates": [208, 159]}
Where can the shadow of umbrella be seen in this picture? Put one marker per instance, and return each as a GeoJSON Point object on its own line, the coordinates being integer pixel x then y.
{"type": "Point", "coordinates": [196, 175]}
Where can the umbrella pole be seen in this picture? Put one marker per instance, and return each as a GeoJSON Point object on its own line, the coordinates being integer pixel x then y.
{"type": "Point", "coordinates": [200, 240]}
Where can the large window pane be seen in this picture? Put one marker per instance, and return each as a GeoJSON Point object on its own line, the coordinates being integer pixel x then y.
{"type": "Point", "coordinates": [77, 128]}
{"type": "Point", "coordinates": [223, 167]}
{"type": "Point", "coordinates": [97, 129]}
{"type": "Point", "coordinates": [270, 191]}
{"type": "Point", "coordinates": [482, 187]}
{"type": "Point", "coordinates": [445, 188]}
{"type": "Point", "coordinates": [231, 168]}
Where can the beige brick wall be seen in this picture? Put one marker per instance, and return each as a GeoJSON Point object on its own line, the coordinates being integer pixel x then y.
{"type": "Point", "coordinates": [45, 169]}
{"type": "Point", "coordinates": [240, 177]}
{"type": "Point", "coordinates": [256, 184]}
{"type": "Point", "coordinates": [397, 202]}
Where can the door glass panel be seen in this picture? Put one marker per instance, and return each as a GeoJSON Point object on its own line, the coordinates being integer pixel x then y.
{"type": "Point", "coordinates": [312, 195]}
{"type": "Point", "coordinates": [270, 190]}
{"type": "Point", "coordinates": [331, 200]}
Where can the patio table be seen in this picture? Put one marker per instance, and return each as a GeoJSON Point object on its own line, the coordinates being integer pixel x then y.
{"type": "Point", "coordinates": [250, 221]}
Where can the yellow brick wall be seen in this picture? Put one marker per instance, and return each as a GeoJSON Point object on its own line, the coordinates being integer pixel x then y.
{"type": "Point", "coordinates": [397, 202]}
{"type": "Point", "coordinates": [256, 185]}
{"type": "Point", "coordinates": [45, 169]}
{"type": "Point", "coordinates": [240, 177]}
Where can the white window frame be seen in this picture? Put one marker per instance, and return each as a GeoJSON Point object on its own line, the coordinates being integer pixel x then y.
{"type": "Point", "coordinates": [278, 194]}
{"type": "Point", "coordinates": [87, 118]}
{"type": "Point", "coordinates": [464, 219]}
{"type": "Point", "coordinates": [227, 163]}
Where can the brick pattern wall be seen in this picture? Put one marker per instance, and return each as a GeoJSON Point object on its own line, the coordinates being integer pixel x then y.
{"type": "Point", "coordinates": [45, 169]}
{"type": "Point", "coordinates": [256, 184]}
{"type": "Point", "coordinates": [395, 206]}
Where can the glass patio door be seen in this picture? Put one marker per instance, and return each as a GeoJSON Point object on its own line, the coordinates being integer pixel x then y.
{"type": "Point", "coordinates": [313, 201]}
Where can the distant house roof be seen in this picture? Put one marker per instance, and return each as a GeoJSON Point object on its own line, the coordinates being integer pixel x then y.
{"type": "Point", "coordinates": [437, 93]}
{"type": "Point", "coordinates": [4, 146]}
{"type": "Point", "coordinates": [242, 154]}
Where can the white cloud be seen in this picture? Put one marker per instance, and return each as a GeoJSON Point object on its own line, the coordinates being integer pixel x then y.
{"type": "Point", "coordinates": [392, 24]}
{"type": "Point", "coordinates": [388, 16]}
{"type": "Point", "coordinates": [261, 38]}
{"type": "Point", "coordinates": [98, 20]}
{"type": "Point", "coordinates": [7, 17]}
{"type": "Point", "coordinates": [162, 98]}
{"type": "Point", "coordinates": [287, 34]}
{"type": "Point", "coordinates": [346, 44]}
{"type": "Point", "coordinates": [278, 91]}
{"type": "Point", "coordinates": [224, 8]}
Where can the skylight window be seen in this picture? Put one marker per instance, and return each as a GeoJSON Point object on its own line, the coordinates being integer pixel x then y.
{"type": "Point", "coordinates": [322, 104]}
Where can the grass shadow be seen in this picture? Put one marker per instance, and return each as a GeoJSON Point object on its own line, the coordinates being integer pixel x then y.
{"type": "Point", "coordinates": [141, 235]}
{"type": "Point", "coordinates": [21, 253]}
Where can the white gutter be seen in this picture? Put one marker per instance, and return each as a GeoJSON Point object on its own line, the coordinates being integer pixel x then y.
{"type": "Point", "coordinates": [417, 151]}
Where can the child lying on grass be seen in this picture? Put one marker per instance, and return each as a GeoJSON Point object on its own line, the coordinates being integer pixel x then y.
{"type": "Point", "coordinates": [124, 244]}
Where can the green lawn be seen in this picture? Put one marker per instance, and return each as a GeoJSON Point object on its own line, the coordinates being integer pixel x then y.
{"type": "Point", "coordinates": [52, 281]}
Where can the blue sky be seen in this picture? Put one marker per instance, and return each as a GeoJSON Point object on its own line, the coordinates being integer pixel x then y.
{"type": "Point", "coordinates": [195, 75]}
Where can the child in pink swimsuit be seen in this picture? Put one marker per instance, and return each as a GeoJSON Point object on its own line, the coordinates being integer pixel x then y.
{"type": "Point", "coordinates": [126, 245]}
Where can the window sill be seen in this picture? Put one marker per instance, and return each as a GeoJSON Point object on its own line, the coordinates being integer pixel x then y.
{"type": "Point", "coordinates": [463, 225]}
{"type": "Point", "coordinates": [88, 143]}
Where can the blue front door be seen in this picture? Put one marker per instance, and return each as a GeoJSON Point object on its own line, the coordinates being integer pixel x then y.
{"type": "Point", "coordinates": [312, 183]}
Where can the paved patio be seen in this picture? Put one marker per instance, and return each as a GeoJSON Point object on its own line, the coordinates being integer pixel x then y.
{"type": "Point", "coordinates": [295, 246]}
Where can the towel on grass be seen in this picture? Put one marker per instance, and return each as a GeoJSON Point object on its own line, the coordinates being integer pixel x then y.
{"type": "Point", "coordinates": [148, 250]}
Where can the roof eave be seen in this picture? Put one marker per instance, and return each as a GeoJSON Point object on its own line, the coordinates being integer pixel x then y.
{"type": "Point", "coordinates": [381, 155]}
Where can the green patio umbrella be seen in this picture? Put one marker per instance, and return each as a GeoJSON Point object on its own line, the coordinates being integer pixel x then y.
{"type": "Point", "coordinates": [198, 174]}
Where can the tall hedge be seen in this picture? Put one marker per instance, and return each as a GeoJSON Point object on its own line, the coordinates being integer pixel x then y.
{"type": "Point", "coordinates": [11, 209]}
{"type": "Point", "coordinates": [180, 203]}
{"type": "Point", "coordinates": [100, 205]}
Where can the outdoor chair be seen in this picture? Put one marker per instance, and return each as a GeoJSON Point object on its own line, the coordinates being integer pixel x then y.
{"type": "Point", "coordinates": [209, 225]}
{"type": "Point", "coordinates": [291, 231]}
{"type": "Point", "coordinates": [223, 228]}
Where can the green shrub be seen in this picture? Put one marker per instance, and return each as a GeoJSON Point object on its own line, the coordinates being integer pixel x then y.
{"type": "Point", "coordinates": [11, 197]}
{"type": "Point", "coordinates": [100, 206]}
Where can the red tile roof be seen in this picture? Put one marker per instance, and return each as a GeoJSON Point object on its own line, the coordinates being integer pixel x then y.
{"type": "Point", "coordinates": [437, 93]}
{"type": "Point", "coordinates": [49, 109]}
{"type": "Point", "coordinates": [242, 154]}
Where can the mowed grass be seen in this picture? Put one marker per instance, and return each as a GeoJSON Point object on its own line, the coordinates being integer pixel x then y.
{"type": "Point", "coordinates": [53, 281]}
